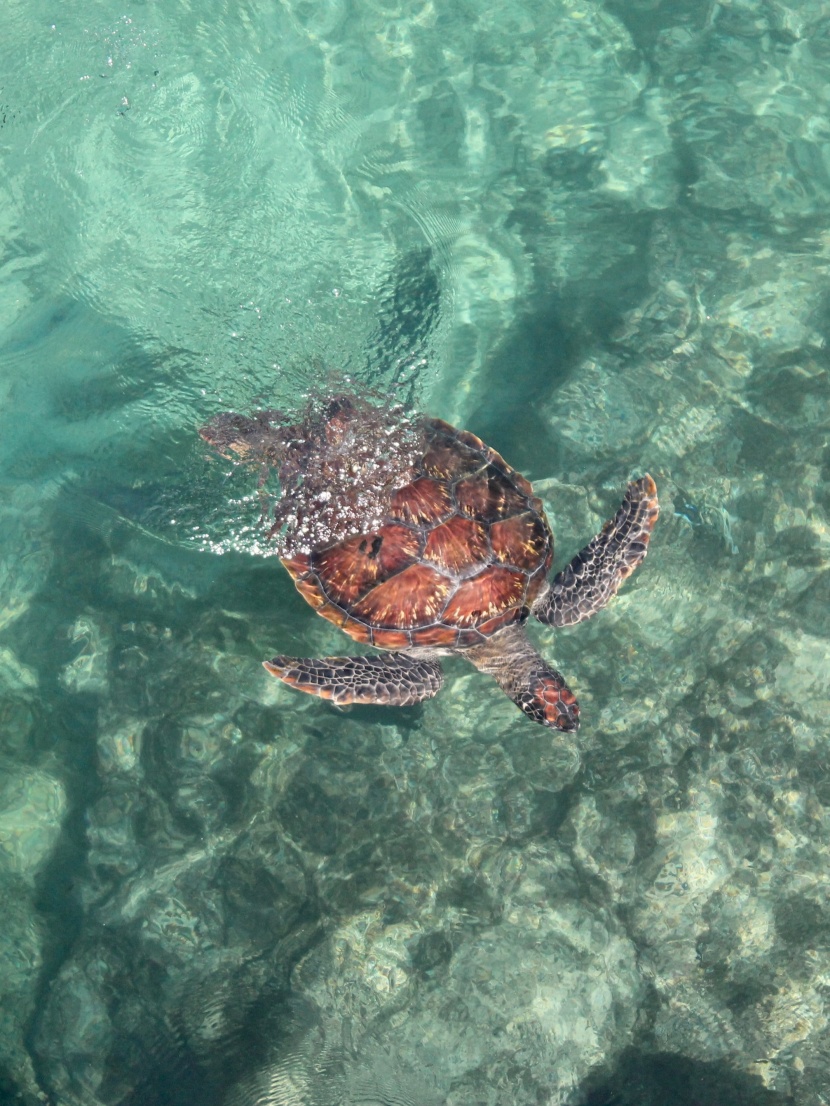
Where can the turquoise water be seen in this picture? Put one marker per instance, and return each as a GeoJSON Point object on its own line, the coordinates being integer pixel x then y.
{"type": "Point", "coordinates": [596, 235]}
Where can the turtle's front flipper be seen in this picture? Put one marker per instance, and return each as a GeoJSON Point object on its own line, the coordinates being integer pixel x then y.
{"type": "Point", "coordinates": [594, 575]}
{"type": "Point", "coordinates": [392, 679]}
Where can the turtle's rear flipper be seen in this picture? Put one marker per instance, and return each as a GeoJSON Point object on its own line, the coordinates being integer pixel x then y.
{"type": "Point", "coordinates": [527, 678]}
{"type": "Point", "coordinates": [594, 575]}
{"type": "Point", "coordinates": [392, 679]}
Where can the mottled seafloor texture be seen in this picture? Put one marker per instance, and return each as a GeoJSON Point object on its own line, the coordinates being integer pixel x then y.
{"type": "Point", "coordinates": [595, 234]}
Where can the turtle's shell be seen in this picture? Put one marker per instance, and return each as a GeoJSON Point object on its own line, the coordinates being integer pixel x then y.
{"type": "Point", "coordinates": [464, 551]}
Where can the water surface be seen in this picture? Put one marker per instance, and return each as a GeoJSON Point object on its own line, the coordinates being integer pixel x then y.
{"type": "Point", "coordinates": [596, 235]}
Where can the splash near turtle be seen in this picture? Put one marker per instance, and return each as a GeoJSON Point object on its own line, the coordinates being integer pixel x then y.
{"type": "Point", "coordinates": [418, 539]}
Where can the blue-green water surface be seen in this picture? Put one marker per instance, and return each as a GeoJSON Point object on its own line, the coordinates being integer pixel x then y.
{"type": "Point", "coordinates": [596, 234]}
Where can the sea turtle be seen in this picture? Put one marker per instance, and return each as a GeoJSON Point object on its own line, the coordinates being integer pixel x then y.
{"type": "Point", "coordinates": [417, 538]}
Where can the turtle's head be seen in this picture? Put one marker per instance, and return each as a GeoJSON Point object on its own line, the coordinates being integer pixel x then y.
{"type": "Point", "coordinates": [239, 437]}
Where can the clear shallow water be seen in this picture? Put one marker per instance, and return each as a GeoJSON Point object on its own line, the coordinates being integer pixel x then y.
{"type": "Point", "coordinates": [596, 235]}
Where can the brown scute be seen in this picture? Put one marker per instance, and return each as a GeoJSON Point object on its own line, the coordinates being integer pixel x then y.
{"type": "Point", "coordinates": [439, 636]}
{"type": "Point", "coordinates": [423, 501]}
{"type": "Point", "coordinates": [392, 639]}
{"type": "Point", "coordinates": [357, 631]}
{"type": "Point", "coordinates": [349, 569]}
{"type": "Point", "coordinates": [512, 614]}
{"type": "Point", "coordinates": [438, 425]}
{"type": "Point", "coordinates": [334, 614]}
{"type": "Point", "coordinates": [538, 582]}
{"type": "Point", "coordinates": [524, 486]}
{"type": "Point", "coordinates": [447, 459]}
{"type": "Point", "coordinates": [398, 547]}
{"type": "Point", "coordinates": [298, 565]}
{"type": "Point", "coordinates": [345, 571]}
{"type": "Point", "coordinates": [489, 495]}
{"type": "Point", "coordinates": [491, 456]}
{"type": "Point", "coordinates": [521, 540]}
{"type": "Point", "coordinates": [457, 544]}
{"type": "Point", "coordinates": [414, 597]}
{"type": "Point", "coordinates": [466, 437]}
{"type": "Point", "coordinates": [310, 591]}
{"type": "Point", "coordinates": [485, 596]}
